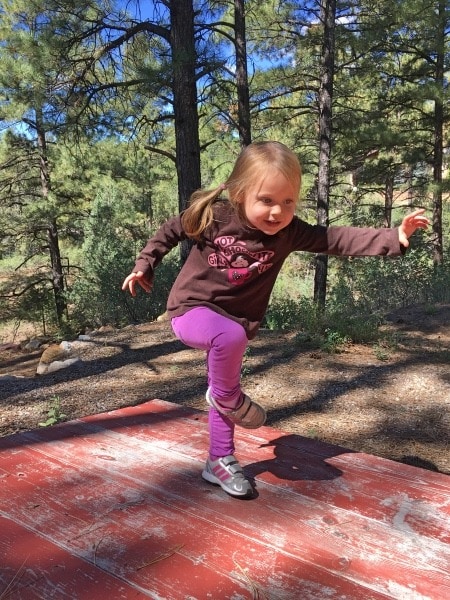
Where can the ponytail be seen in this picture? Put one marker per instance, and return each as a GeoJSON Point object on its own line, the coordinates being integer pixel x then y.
{"type": "Point", "coordinates": [200, 214]}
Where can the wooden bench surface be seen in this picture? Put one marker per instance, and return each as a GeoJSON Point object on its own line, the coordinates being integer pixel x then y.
{"type": "Point", "coordinates": [113, 507]}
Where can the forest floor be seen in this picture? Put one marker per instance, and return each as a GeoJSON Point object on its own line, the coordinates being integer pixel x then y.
{"type": "Point", "coordinates": [390, 399]}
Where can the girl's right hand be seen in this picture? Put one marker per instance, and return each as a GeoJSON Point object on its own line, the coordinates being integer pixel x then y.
{"type": "Point", "coordinates": [134, 278]}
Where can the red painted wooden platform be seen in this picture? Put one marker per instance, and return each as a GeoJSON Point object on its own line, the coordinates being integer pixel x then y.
{"type": "Point", "coordinates": [113, 507]}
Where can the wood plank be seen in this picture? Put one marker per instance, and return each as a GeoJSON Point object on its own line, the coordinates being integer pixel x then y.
{"type": "Point", "coordinates": [396, 494]}
{"type": "Point", "coordinates": [113, 540]}
{"type": "Point", "coordinates": [32, 567]}
{"type": "Point", "coordinates": [82, 483]}
{"type": "Point", "coordinates": [327, 473]}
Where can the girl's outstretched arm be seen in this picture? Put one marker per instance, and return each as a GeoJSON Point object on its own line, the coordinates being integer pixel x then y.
{"type": "Point", "coordinates": [166, 238]}
{"type": "Point", "coordinates": [416, 220]}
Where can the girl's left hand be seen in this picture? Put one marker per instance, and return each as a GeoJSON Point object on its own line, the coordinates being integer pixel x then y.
{"type": "Point", "coordinates": [416, 220]}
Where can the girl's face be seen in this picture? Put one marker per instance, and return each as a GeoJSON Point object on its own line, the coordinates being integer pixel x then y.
{"type": "Point", "coordinates": [270, 205]}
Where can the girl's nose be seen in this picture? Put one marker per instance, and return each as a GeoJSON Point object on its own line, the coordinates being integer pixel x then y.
{"type": "Point", "coordinates": [275, 210]}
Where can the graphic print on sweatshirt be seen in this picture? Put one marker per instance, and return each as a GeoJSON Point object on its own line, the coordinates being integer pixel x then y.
{"type": "Point", "coordinates": [237, 261]}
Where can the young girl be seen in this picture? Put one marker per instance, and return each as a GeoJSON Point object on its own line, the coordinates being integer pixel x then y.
{"type": "Point", "coordinates": [222, 291]}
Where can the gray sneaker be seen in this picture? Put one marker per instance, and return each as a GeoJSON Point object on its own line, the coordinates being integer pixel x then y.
{"type": "Point", "coordinates": [249, 414]}
{"type": "Point", "coordinates": [228, 473]}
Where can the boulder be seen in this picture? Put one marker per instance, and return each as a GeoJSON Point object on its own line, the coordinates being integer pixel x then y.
{"type": "Point", "coordinates": [57, 365]}
{"type": "Point", "coordinates": [56, 357]}
{"type": "Point", "coordinates": [33, 344]}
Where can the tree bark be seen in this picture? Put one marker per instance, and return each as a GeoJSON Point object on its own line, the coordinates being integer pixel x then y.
{"type": "Point", "coordinates": [327, 15]}
{"type": "Point", "coordinates": [388, 199]}
{"type": "Point", "coordinates": [438, 143]}
{"type": "Point", "coordinates": [184, 87]}
{"type": "Point", "coordinates": [57, 275]}
{"type": "Point", "coordinates": [244, 123]}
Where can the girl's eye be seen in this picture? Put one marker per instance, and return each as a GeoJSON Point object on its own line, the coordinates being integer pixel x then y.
{"type": "Point", "coordinates": [266, 201]}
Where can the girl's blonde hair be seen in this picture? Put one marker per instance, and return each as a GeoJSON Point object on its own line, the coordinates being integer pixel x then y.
{"type": "Point", "coordinates": [251, 166]}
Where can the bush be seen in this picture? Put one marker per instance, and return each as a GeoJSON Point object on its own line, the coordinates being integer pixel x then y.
{"type": "Point", "coordinates": [108, 254]}
{"type": "Point", "coordinates": [381, 284]}
{"type": "Point", "coordinates": [360, 292]}
{"type": "Point", "coordinates": [287, 313]}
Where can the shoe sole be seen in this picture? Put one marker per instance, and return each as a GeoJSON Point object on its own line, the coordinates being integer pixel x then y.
{"type": "Point", "coordinates": [240, 421]}
{"type": "Point", "coordinates": [255, 422]}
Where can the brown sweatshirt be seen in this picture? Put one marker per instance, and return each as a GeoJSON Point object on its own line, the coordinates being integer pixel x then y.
{"type": "Point", "coordinates": [234, 268]}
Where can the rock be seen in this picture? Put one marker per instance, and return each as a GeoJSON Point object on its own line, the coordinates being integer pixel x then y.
{"type": "Point", "coordinates": [33, 344]}
{"type": "Point", "coordinates": [57, 365]}
{"type": "Point", "coordinates": [54, 352]}
{"type": "Point", "coordinates": [106, 329]}
{"type": "Point", "coordinates": [56, 357]}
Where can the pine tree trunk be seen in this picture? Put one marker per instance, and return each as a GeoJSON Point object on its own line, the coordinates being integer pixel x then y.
{"type": "Point", "coordinates": [388, 199]}
{"type": "Point", "coordinates": [57, 275]}
{"type": "Point", "coordinates": [57, 272]}
{"type": "Point", "coordinates": [244, 124]}
{"type": "Point", "coordinates": [438, 145]}
{"type": "Point", "coordinates": [184, 86]}
{"type": "Point", "coordinates": [327, 14]}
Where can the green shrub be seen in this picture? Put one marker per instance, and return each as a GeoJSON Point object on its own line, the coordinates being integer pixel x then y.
{"type": "Point", "coordinates": [334, 342]}
{"type": "Point", "coordinates": [286, 314]}
{"type": "Point", "coordinates": [108, 255]}
{"type": "Point", "coordinates": [381, 284]}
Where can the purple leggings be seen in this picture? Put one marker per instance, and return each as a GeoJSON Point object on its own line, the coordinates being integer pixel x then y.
{"type": "Point", "coordinates": [225, 342]}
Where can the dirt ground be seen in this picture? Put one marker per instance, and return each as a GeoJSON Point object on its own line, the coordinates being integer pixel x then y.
{"type": "Point", "coordinates": [390, 400]}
